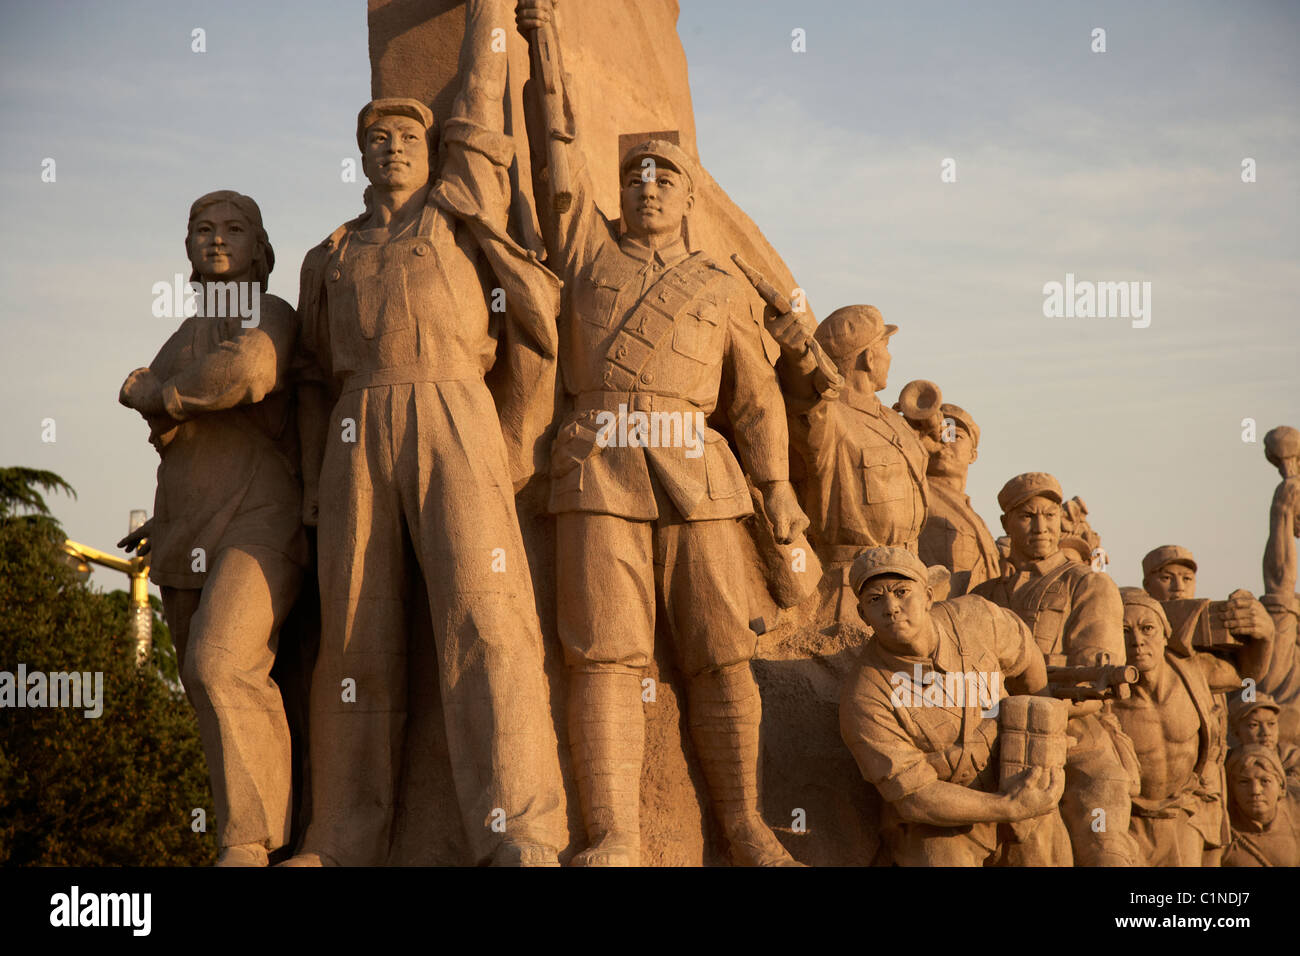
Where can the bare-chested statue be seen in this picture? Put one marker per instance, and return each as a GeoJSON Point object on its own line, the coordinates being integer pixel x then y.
{"type": "Point", "coordinates": [1169, 575]}
{"type": "Point", "coordinates": [1171, 720]}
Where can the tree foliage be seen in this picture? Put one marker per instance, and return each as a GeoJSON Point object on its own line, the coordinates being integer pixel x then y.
{"type": "Point", "coordinates": [77, 791]}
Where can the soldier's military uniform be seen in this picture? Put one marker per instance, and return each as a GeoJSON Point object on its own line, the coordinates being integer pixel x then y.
{"type": "Point", "coordinates": [954, 536]}
{"type": "Point", "coordinates": [1077, 619]}
{"type": "Point", "coordinates": [866, 484]}
{"type": "Point", "coordinates": [657, 331]}
{"type": "Point", "coordinates": [901, 744]}
{"type": "Point", "coordinates": [416, 460]}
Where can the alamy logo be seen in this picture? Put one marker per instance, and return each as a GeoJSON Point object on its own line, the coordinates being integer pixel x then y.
{"type": "Point", "coordinates": [75, 908]}
{"type": "Point", "coordinates": [217, 300]}
{"type": "Point", "coordinates": [79, 690]}
{"type": "Point", "coordinates": [651, 430]}
{"type": "Point", "coordinates": [1098, 300]}
{"type": "Point", "coordinates": [954, 689]}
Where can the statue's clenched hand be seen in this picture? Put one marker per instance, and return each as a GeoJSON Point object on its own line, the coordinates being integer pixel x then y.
{"type": "Point", "coordinates": [783, 512]}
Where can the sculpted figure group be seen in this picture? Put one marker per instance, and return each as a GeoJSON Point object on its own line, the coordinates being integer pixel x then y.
{"type": "Point", "coordinates": [1010, 704]}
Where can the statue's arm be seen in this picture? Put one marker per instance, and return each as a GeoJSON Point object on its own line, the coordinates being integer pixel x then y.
{"type": "Point", "coordinates": [1095, 626]}
{"type": "Point", "coordinates": [241, 370]}
{"type": "Point", "coordinates": [569, 225]}
{"type": "Point", "coordinates": [1280, 551]}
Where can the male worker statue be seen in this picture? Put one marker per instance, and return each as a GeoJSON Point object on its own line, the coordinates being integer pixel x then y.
{"type": "Point", "coordinates": [1170, 718]}
{"type": "Point", "coordinates": [1077, 619]}
{"type": "Point", "coordinates": [954, 535]}
{"type": "Point", "coordinates": [648, 497]}
{"type": "Point", "coordinates": [1282, 449]}
{"type": "Point", "coordinates": [398, 330]}
{"type": "Point", "coordinates": [1169, 574]}
{"type": "Point", "coordinates": [934, 760]}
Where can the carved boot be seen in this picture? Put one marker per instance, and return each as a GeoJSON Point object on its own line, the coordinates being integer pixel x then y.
{"type": "Point", "coordinates": [725, 711]}
{"type": "Point", "coordinates": [607, 737]}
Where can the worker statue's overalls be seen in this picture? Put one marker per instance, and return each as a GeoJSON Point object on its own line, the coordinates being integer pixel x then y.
{"type": "Point", "coordinates": [415, 464]}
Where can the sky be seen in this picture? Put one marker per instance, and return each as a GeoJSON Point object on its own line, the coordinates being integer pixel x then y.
{"type": "Point", "coordinates": [1117, 166]}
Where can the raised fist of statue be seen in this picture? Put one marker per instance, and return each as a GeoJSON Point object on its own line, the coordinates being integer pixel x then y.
{"type": "Point", "coordinates": [533, 14]}
{"type": "Point", "coordinates": [1247, 617]}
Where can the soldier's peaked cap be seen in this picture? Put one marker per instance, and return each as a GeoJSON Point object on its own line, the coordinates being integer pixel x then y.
{"type": "Point", "coordinates": [663, 153]}
{"type": "Point", "coordinates": [962, 418]}
{"type": "Point", "coordinates": [1023, 487]}
{"type": "Point", "coordinates": [391, 106]}
{"type": "Point", "coordinates": [877, 561]}
{"type": "Point", "coordinates": [1240, 708]}
{"type": "Point", "coordinates": [1166, 554]}
{"type": "Point", "coordinates": [850, 329]}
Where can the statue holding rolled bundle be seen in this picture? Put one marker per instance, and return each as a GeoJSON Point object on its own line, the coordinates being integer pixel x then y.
{"type": "Point", "coordinates": [923, 713]}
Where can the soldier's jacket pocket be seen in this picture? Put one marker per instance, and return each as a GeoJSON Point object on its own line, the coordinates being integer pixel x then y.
{"type": "Point", "coordinates": [595, 298]}
{"type": "Point", "coordinates": [883, 480]}
{"type": "Point", "coordinates": [697, 332]}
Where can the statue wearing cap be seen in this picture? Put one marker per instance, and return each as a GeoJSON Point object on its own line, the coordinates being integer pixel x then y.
{"type": "Point", "coordinates": [1169, 575]}
{"type": "Point", "coordinates": [1077, 619]}
{"type": "Point", "coordinates": [954, 535]}
{"type": "Point", "coordinates": [1177, 817]}
{"type": "Point", "coordinates": [1265, 817]}
{"type": "Point", "coordinates": [647, 496]}
{"type": "Point", "coordinates": [1255, 721]}
{"type": "Point", "coordinates": [866, 466]}
{"type": "Point", "coordinates": [920, 714]}
{"type": "Point", "coordinates": [407, 449]}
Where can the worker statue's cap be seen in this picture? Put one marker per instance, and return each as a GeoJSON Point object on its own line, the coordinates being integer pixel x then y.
{"type": "Point", "coordinates": [850, 329]}
{"type": "Point", "coordinates": [391, 106]}
{"type": "Point", "coordinates": [962, 418]}
{"type": "Point", "coordinates": [874, 562]}
{"type": "Point", "coordinates": [1136, 596]}
{"type": "Point", "coordinates": [1023, 487]}
{"type": "Point", "coordinates": [663, 153]}
{"type": "Point", "coordinates": [1166, 554]}
{"type": "Point", "coordinates": [1239, 708]}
